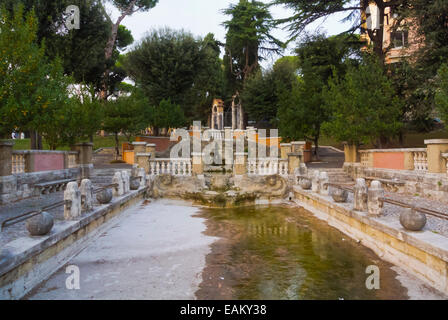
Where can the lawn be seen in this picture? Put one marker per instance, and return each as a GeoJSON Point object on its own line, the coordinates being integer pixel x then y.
{"type": "Point", "coordinates": [98, 142]}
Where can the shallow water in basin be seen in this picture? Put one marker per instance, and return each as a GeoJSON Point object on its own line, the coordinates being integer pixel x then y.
{"type": "Point", "coordinates": [279, 252]}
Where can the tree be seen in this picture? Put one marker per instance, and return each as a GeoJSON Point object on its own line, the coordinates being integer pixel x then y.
{"type": "Point", "coordinates": [31, 87]}
{"type": "Point", "coordinates": [170, 64]}
{"type": "Point", "coordinates": [166, 115]}
{"type": "Point", "coordinates": [364, 105]}
{"type": "Point", "coordinates": [442, 93]}
{"type": "Point", "coordinates": [262, 92]}
{"type": "Point", "coordinates": [302, 109]}
{"type": "Point", "coordinates": [127, 115]}
{"type": "Point", "coordinates": [126, 8]}
{"type": "Point", "coordinates": [248, 41]}
{"type": "Point", "coordinates": [307, 12]}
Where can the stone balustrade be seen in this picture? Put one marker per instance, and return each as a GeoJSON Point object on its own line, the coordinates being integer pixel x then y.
{"type": "Point", "coordinates": [174, 167]}
{"type": "Point", "coordinates": [396, 159]}
{"type": "Point", "coordinates": [420, 160]}
{"type": "Point", "coordinates": [26, 161]}
{"type": "Point", "coordinates": [267, 166]}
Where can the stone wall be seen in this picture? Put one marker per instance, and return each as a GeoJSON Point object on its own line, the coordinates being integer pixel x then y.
{"type": "Point", "coordinates": [23, 185]}
{"type": "Point", "coordinates": [430, 185]}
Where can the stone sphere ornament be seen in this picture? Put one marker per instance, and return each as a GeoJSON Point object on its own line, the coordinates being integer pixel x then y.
{"type": "Point", "coordinates": [40, 225]}
{"type": "Point", "coordinates": [305, 184]}
{"type": "Point", "coordinates": [339, 195]}
{"type": "Point", "coordinates": [104, 196]}
{"type": "Point", "coordinates": [135, 183]}
{"type": "Point", "coordinates": [412, 220]}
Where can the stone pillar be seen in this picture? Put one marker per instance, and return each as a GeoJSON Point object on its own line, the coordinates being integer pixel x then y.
{"type": "Point", "coordinates": [84, 159]}
{"type": "Point", "coordinates": [294, 160]}
{"type": "Point", "coordinates": [315, 176]}
{"type": "Point", "coordinates": [351, 153]}
{"type": "Point", "coordinates": [139, 147]}
{"type": "Point", "coordinates": [143, 161]}
{"type": "Point", "coordinates": [409, 161]}
{"type": "Point", "coordinates": [285, 149]}
{"type": "Point", "coordinates": [376, 191]}
{"type": "Point", "coordinates": [126, 181]}
{"type": "Point", "coordinates": [118, 180]}
{"type": "Point", "coordinates": [297, 146]}
{"type": "Point", "coordinates": [435, 148]}
{"type": "Point", "coordinates": [360, 197]}
{"type": "Point", "coordinates": [72, 198]}
{"type": "Point", "coordinates": [151, 148]}
{"type": "Point", "coordinates": [240, 166]}
{"type": "Point", "coordinates": [323, 184]}
{"type": "Point", "coordinates": [86, 195]}
{"type": "Point", "coordinates": [142, 175]}
{"type": "Point", "coordinates": [198, 163]}
{"type": "Point", "coordinates": [6, 157]}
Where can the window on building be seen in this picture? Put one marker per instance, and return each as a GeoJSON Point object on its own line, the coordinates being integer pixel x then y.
{"type": "Point", "coordinates": [400, 39]}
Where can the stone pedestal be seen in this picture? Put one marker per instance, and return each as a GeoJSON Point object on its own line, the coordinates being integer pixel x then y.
{"type": "Point", "coordinates": [297, 146]}
{"type": "Point", "coordinates": [118, 181]}
{"type": "Point", "coordinates": [6, 157]}
{"type": "Point", "coordinates": [376, 191]}
{"type": "Point", "coordinates": [151, 148]}
{"type": "Point", "coordinates": [294, 160]}
{"type": "Point", "coordinates": [86, 195]}
{"type": "Point", "coordinates": [351, 153]}
{"type": "Point", "coordinates": [139, 147]}
{"type": "Point", "coordinates": [84, 159]}
{"type": "Point", "coordinates": [360, 195]}
{"type": "Point", "coordinates": [198, 163]}
{"type": "Point", "coordinates": [285, 149]}
{"type": "Point", "coordinates": [323, 184]}
{"type": "Point", "coordinates": [142, 160]}
{"type": "Point", "coordinates": [315, 180]}
{"type": "Point", "coordinates": [435, 148]}
{"type": "Point", "coordinates": [240, 166]}
{"type": "Point", "coordinates": [72, 198]}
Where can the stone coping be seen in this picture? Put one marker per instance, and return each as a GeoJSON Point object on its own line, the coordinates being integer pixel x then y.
{"type": "Point", "coordinates": [43, 152]}
{"type": "Point", "coordinates": [23, 249]}
{"type": "Point", "coordinates": [144, 154]}
{"type": "Point", "coordinates": [151, 145]}
{"type": "Point", "coordinates": [285, 144]}
{"type": "Point", "coordinates": [436, 141]}
{"type": "Point", "coordinates": [298, 143]}
{"type": "Point", "coordinates": [139, 143]}
{"type": "Point", "coordinates": [8, 143]}
{"type": "Point", "coordinates": [393, 150]}
{"type": "Point", "coordinates": [427, 241]}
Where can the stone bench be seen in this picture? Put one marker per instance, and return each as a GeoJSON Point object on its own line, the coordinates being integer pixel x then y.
{"type": "Point", "coordinates": [389, 185]}
{"type": "Point", "coordinates": [52, 186]}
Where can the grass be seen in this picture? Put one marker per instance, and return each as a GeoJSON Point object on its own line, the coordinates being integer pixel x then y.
{"type": "Point", "coordinates": [411, 140]}
{"type": "Point", "coordinates": [98, 142]}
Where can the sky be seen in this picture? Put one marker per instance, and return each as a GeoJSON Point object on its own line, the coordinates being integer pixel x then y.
{"type": "Point", "coordinates": [203, 16]}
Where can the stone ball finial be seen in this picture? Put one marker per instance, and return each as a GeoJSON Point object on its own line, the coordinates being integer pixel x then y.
{"type": "Point", "coordinates": [339, 195]}
{"type": "Point", "coordinates": [105, 196]}
{"type": "Point", "coordinates": [412, 219]}
{"type": "Point", "coordinates": [40, 225]}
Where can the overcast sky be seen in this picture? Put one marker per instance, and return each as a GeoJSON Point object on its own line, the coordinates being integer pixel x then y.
{"type": "Point", "coordinates": [203, 16]}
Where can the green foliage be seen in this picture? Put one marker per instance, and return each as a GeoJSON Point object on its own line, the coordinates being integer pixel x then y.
{"type": "Point", "coordinates": [173, 65]}
{"type": "Point", "coordinates": [442, 93]}
{"type": "Point", "coordinates": [166, 115]}
{"type": "Point", "coordinates": [142, 5]}
{"type": "Point", "coordinates": [31, 88]}
{"type": "Point", "coordinates": [248, 41]}
{"type": "Point", "coordinates": [363, 104]}
{"type": "Point", "coordinates": [302, 109]}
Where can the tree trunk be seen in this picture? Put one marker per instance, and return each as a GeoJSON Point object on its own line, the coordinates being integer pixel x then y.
{"type": "Point", "coordinates": [36, 141]}
{"type": "Point", "coordinates": [117, 146]}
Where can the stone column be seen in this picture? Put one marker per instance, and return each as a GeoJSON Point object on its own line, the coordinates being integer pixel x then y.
{"type": "Point", "coordinates": [360, 197]}
{"type": "Point", "coordinates": [86, 195]}
{"type": "Point", "coordinates": [198, 163]}
{"type": "Point", "coordinates": [285, 149]}
{"type": "Point", "coordinates": [294, 160]}
{"type": "Point", "coordinates": [119, 188]}
{"type": "Point", "coordinates": [72, 198]}
{"type": "Point", "coordinates": [139, 147]}
{"type": "Point", "coordinates": [151, 148]}
{"type": "Point", "coordinates": [351, 153]}
{"type": "Point", "coordinates": [84, 159]}
{"type": "Point", "coordinates": [240, 165]}
{"type": "Point", "coordinates": [435, 148]}
{"type": "Point", "coordinates": [6, 157]}
{"type": "Point", "coordinates": [142, 175]}
{"type": "Point", "coordinates": [323, 184]}
{"type": "Point", "coordinates": [408, 161]}
{"type": "Point", "coordinates": [376, 191]}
